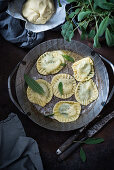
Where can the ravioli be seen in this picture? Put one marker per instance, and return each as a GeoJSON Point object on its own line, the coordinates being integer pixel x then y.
{"type": "Point", "coordinates": [69, 85]}
{"type": "Point", "coordinates": [66, 111]}
{"type": "Point", "coordinates": [36, 98]}
{"type": "Point", "coordinates": [86, 92]}
{"type": "Point", "coordinates": [50, 62]}
{"type": "Point", "coordinates": [83, 69]}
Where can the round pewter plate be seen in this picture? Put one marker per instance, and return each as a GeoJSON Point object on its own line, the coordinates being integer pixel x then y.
{"type": "Point", "coordinates": [28, 66]}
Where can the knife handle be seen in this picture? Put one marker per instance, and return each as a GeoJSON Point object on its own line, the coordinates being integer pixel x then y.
{"type": "Point", "coordinates": [71, 149]}
{"type": "Point", "coordinates": [69, 141]}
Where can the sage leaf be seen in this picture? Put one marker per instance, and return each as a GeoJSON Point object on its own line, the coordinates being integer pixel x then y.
{"type": "Point", "coordinates": [60, 88]}
{"type": "Point", "coordinates": [104, 4]}
{"type": "Point", "coordinates": [96, 42]}
{"type": "Point", "coordinates": [67, 31]}
{"type": "Point", "coordinates": [33, 84]}
{"type": "Point", "coordinates": [49, 115]}
{"type": "Point", "coordinates": [93, 140]}
{"type": "Point", "coordinates": [67, 57]}
{"type": "Point", "coordinates": [85, 25]}
{"type": "Point", "coordinates": [83, 35]}
{"type": "Point", "coordinates": [71, 15]}
{"type": "Point", "coordinates": [82, 155]}
{"type": "Point", "coordinates": [91, 34]}
{"type": "Point", "coordinates": [71, 1]}
{"type": "Point", "coordinates": [102, 27]}
{"type": "Point", "coordinates": [64, 113]}
{"type": "Point", "coordinates": [109, 38]}
{"type": "Point", "coordinates": [63, 64]}
{"type": "Point", "coordinates": [82, 15]}
{"type": "Point", "coordinates": [111, 23]}
{"type": "Point", "coordinates": [74, 13]}
{"type": "Point", "coordinates": [59, 3]}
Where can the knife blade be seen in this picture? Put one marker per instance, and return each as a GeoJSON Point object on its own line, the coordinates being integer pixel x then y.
{"type": "Point", "coordinates": [90, 132]}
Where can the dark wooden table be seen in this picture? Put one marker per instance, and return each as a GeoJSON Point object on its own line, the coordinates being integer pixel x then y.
{"type": "Point", "coordinates": [99, 157]}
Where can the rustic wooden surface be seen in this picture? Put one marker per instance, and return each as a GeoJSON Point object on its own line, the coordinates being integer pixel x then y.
{"type": "Point", "coordinates": [100, 156]}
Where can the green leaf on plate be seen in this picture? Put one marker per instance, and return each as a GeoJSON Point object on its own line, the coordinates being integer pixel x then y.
{"type": "Point", "coordinates": [63, 64]}
{"type": "Point", "coordinates": [33, 84]}
{"type": "Point", "coordinates": [68, 58]}
{"type": "Point", "coordinates": [82, 155]}
{"type": "Point", "coordinates": [93, 140]}
{"type": "Point", "coordinates": [49, 115]}
{"type": "Point", "coordinates": [60, 88]}
{"type": "Point", "coordinates": [64, 113]}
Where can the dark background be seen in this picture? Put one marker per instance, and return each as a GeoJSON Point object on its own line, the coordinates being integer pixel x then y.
{"type": "Point", "coordinates": [99, 157]}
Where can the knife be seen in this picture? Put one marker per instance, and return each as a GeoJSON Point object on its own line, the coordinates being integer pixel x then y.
{"type": "Point", "coordinates": [90, 132]}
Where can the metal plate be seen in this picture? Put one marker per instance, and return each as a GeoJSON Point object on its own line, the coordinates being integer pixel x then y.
{"type": "Point", "coordinates": [88, 113]}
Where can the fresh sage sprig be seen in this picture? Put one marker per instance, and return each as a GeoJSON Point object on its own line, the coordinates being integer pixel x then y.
{"type": "Point", "coordinates": [60, 88]}
{"type": "Point", "coordinates": [82, 155]}
{"type": "Point", "coordinates": [88, 141]}
{"type": "Point", "coordinates": [92, 141]}
{"type": "Point", "coordinates": [94, 19]}
{"type": "Point", "coordinates": [68, 58]}
{"type": "Point", "coordinates": [33, 84]}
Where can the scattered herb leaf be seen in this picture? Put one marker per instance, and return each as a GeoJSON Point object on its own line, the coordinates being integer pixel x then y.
{"type": "Point", "coordinates": [33, 84]}
{"type": "Point", "coordinates": [59, 3]}
{"type": "Point", "coordinates": [64, 113]}
{"type": "Point", "coordinates": [63, 64]}
{"type": "Point", "coordinates": [67, 57]}
{"type": "Point", "coordinates": [94, 140]}
{"type": "Point", "coordinates": [82, 155]}
{"type": "Point", "coordinates": [60, 87]}
{"type": "Point", "coordinates": [49, 115]}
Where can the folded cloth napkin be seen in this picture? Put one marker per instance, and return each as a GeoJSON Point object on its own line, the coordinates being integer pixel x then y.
{"type": "Point", "coordinates": [13, 30]}
{"type": "Point", "coordinates": [17, 152]}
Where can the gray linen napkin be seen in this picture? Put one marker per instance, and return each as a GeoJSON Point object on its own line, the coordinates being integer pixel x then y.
{"type": "Point", "coordinates": [17, 152]}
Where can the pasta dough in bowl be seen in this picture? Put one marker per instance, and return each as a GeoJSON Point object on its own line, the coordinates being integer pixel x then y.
{"type": "Point", "coordinates": [38, 11]}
